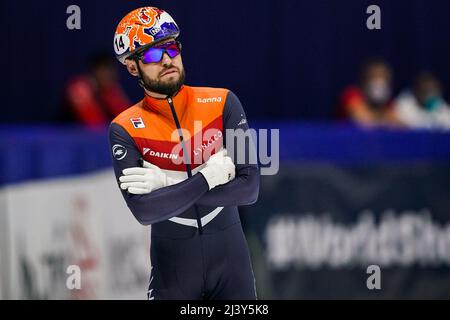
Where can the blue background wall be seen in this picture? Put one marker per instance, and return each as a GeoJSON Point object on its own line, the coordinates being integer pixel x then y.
{"type": "Point", "coordinates": [285, 59]}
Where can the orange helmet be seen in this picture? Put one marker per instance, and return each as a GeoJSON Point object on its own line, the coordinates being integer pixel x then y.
{"type": "Point", "coordinates": [142, 27]}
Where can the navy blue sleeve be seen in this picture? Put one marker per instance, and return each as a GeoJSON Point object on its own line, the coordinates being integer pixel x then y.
{"type": "Point", "coordinates": [244, 188]}
{"type": "Point", "coordinates": [161, 204]}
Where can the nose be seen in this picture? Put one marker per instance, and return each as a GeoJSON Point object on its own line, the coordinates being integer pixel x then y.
{"type": "Point", "coordinates": [166, 60]}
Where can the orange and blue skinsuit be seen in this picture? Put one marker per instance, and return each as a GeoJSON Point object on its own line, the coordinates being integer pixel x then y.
{"type": "Point", "coordinates": [198, 248]}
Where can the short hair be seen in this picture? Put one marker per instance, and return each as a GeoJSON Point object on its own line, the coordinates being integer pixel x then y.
{"type": "Point", "coordinates": [426, 77]}
{"type": "Point", "coordinates": [371, 63]}
{"type": "Point", "coordinates": [100, 59]}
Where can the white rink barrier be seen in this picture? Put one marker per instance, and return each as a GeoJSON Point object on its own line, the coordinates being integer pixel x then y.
{"type": "Point", "coordinates": [51, 229]}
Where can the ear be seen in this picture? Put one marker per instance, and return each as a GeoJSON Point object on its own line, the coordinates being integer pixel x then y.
{"type": "Point", "coordinates": [132, 67]}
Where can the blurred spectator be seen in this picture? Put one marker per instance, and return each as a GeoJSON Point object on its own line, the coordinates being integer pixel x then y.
{"type": "Point", "coordinates": [369, 103]}
{"type": "Point", "coordinates": [95, 98]}
{"type": "Point", "coordinates": [423, 106]}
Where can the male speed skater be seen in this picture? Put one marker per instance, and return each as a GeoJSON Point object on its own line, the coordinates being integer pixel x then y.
{"type": "Point", "coordinates": [176, 171]}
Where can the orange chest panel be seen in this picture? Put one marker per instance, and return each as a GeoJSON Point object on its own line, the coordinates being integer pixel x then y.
{"type": "Point", "coordinates": [152, 126]}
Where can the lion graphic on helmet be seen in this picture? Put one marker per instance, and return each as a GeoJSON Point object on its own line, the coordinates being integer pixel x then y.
{"type": "Point", "coordinates": [141, 27]}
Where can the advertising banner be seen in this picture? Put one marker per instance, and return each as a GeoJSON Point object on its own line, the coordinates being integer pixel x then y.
{"type": "Point", "coordinates": [375, 231]}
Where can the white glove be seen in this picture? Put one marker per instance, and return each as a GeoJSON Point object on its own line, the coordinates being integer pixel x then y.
{"type": "Point", "coordinates": [167, 181]}
{"type": "Point", "coordinates": [143, 180]}
{"type": "Point", "coordinates": [219, 169]}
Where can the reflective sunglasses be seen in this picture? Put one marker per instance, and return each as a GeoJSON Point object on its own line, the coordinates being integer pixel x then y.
{"type": "Point", "coordinates": [155, 54]}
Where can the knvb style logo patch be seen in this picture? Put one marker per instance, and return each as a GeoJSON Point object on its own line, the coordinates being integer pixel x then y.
{"type": "Point", "coordinates": [119, 152]}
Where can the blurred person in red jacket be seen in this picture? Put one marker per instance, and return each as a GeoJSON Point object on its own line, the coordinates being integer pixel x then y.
{"type": "Point", "coordinates": [95, 98]}
{"type": "Point", "coordinates": [369, 103]}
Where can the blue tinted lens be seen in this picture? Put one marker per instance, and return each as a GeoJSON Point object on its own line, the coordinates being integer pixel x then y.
{"type": "Point", "coordinates": [172, 49]}
{"type": "Point", "coordinates": [155, 54]}
{"type": "Point", "coordinates": [152, 55]}
{"type": "Point", "coordinates": [173, 52]}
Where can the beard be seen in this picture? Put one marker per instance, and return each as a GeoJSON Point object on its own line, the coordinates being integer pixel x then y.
{"type": "Point", "coordinates": [168, 87]}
